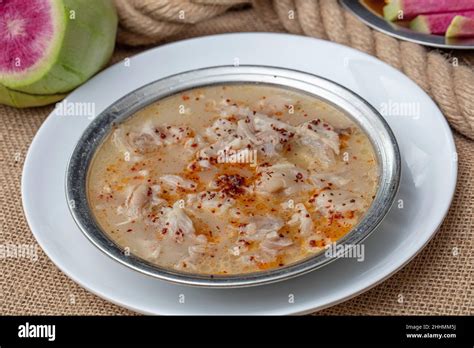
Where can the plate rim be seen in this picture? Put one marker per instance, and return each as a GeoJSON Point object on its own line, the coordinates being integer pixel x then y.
{"type": "Point", "coordinates": [367, 284]}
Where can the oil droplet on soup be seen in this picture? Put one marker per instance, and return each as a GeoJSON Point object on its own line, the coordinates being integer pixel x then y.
{"type": "Point", "coordinates": [232, 179]}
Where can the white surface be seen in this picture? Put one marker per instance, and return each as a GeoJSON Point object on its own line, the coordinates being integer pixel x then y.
{"type": "Point", "coordinates": [428, 179]}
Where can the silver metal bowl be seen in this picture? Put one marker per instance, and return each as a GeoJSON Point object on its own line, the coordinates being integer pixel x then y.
{"type": "Point", "coordinates": [352, 105]}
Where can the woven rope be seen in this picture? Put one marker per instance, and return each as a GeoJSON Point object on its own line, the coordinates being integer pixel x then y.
{"type": "Point", "coordinates": [450, 83]}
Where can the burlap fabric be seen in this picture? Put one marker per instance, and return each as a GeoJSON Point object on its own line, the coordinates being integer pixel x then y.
{"type": "Point", "coordinates": [438, 281]}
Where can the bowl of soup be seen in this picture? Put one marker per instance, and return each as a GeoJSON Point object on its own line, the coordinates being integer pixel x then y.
{"type": "Point", "coordinates": [233, 176]}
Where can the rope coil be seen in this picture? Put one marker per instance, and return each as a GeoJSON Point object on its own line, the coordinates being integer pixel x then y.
{"type": "Point", "coordinates": [147, 22]}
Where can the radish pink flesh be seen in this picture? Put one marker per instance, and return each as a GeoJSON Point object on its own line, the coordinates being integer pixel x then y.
{"type": "Point", "coordinates": [437, 23]}
{"type": "Point", "coordinates": [26, 32]}
{"type": "Point", "coordinates": [412, 8]}
{"type": "Point", "coordinates": [461, 27]}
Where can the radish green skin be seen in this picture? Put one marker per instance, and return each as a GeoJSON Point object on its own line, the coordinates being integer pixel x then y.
{"type": "Point", "coordinates": [420, 24]}
{"type": "Point", "coordinates": [24, 100]}
{"type": "Point", "coordinates": [411, 8]}
{"type": "Point", "coordinates": [461, 27]}
{"type": "Point", "coordinates": [83, 45]}
{"type": "Point", "coordinates": [436, 23]}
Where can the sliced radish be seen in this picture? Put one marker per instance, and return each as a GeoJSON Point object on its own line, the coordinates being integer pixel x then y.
{"type": "Point", "coordinates": [461, 27]}
{"type": "Point", "coordinates": [437, 23]}
{"type": "Point", "coordinates": [52, 46]}
{"type": "Point", "coordinates": [408, 9]}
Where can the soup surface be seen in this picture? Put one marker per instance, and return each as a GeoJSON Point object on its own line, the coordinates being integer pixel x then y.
{"type": "Point", "coordinates": [232, 179]}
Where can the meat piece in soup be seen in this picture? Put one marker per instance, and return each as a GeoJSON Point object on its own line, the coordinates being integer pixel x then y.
{"type": "Point", "coordinates": [232, 179]}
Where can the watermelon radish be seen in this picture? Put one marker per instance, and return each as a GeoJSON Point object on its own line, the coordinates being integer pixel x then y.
{"type": "Point", "coordinates": [24, 100]}
{"type": "Point", "coordinates": [411, 8]}
{"type": "Point", "coordinates": [461, 27]}
{"type": "Point", "coordinates": [437, 23]}
{"type": "Point", "coordinates": [52, 46]}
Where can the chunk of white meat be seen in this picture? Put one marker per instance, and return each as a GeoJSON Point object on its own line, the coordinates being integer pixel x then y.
{"type": "Point", "coordinates": [317, 143]}
{"type": "Point", "coordinates": [174, 134]}
{"type": "Point", "coordinates": [274, 103]}
{"type": "Point", "coordinates": [259, 226]}
{"type": "Point", "coordinates": [266, 133]}
{"type": "Point", "coordinates": [228, 111]}
{"type": "Point", "coordinates": [329, 202]}
{"type": "Point", "coordinates": [132, 144]}
{"type": "Point", "coordinates": [196, 250]}
{"type": "Point", "coordinates": [221, 149]}
{"type": "Point", "coordinates": [149, 138]}
{"type": "Point", "coordinates": [176, 182]}
{"type": "Point", "coordinates": [149, 247]}
{"type": "Point", "coordinates": [195, 143]}
{"type": "Point", "coordinates": [247, 129]}
{"type": "Point", "coordinates": [302, 219]}
{"type": "Point", "coordinates": [281, 177]}
{"type": "Point", "coordinates": [260, 129]}
{"type": "Point", "coordinates": [215, 202]}
{"type": "Point", "coordinates": [273, 243]}
{"type": "Point", "coordinates": [313, 240]}
{"type": "Point", "coordinates": [265, 231]}
{"type": "Point", "coordinates": [263, 123]}
{"type": "Point", "coordinates": [221, 129]}
{"type": "Point", "coordinates": [321, 131]}
{"type": "Point", "coordinates": [174, 223]}
{"type": "Point", "coordinates": [269, 135]}
{"type": "Point", "coordinates": [138, 200]}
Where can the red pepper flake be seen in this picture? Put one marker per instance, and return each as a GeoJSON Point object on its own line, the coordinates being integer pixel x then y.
{"type": "Point", "coordinates": [185, 97]}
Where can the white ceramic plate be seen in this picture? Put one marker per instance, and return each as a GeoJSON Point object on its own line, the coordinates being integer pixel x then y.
{"type": "Point", "coordinates": [428, 178]}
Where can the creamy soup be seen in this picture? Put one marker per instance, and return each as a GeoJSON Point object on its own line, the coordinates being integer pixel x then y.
{"type": "Point", "coordinates": [232, 179]}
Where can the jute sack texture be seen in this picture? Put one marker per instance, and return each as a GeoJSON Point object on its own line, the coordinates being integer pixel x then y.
{"type": "Point", "coordinates": [450, 82]}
